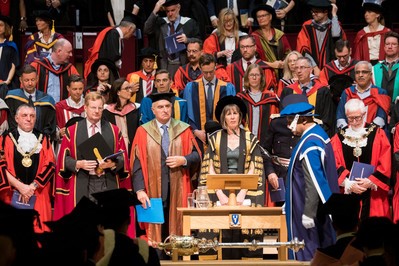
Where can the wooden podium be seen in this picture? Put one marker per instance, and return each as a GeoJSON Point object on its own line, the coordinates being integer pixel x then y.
{"type": "Point", "coordinates": [232, 182]}
{"type": "Point", "coordinates": [248, 218]}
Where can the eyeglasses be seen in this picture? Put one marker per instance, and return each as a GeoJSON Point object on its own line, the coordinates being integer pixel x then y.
{"type": "Point", "coordinates": [301, 67]}
{"type": "Point", "coordinates": [354, 118]}
{"type": "Point", "coordinates": [263, 16]}
{"type": "Point", "coordinates": [246, 46]}
{"type": "Point", "coordinates": [342, 56]}
{"type": "Point", "coordinates": [254, 75]}
{"type": "Point", "coordinates": [362, 72]}
{"type": "Point", "coordinates": [129, 88]}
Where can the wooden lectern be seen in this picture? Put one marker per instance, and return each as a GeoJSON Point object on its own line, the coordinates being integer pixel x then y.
{"type": "Point", "coordinates": [232, 182]}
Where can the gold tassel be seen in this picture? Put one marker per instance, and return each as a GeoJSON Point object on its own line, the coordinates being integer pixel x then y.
{"type": "Point", "coordinates": [53, 28]}
{"type": "Point", "coordinates": [155, 63]}
{"type": "Point", "coordinates": [11, 37]}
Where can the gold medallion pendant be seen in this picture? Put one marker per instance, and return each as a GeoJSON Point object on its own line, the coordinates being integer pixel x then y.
{"type": "Point", "coordinates": [357, 152]}
{"type": "Point", "coordinates": [27, 161]}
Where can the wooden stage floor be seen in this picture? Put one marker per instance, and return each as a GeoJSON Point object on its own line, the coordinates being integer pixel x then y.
{"type": "Point", "coordinates": [235, 262]}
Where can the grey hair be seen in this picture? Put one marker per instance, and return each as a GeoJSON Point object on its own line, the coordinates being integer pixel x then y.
{"type": "Point", "coordinates": [354, 105]}
{"type": "Point", "coordinates": [369, 65]}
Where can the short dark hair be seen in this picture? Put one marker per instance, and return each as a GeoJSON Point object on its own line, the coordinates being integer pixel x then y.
{"type": "Point", "coordinates": [391, 34]}
{"type": "Point", "coordinates": [28, 69]}
{"type": "Point", "coordinates": [341, 44]}
{"type": "Point", "coordinates": [196, 40]}
{"type": "Point", "coordinates": [75, 78]}
{"type": "Point", "coordinates": [206, 59]}
{"type": "Point", "coordinates": [245, 37]}
{"type": "Point", "coordinates": [162, 71]}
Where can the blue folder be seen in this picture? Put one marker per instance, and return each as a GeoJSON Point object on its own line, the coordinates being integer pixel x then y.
{"type": "Point", "coordinates": [153, 214]}
{"type": "Point", "coordinates": [172, 45]}
{"type": "Point", "coordinates": [361, 170]}
{"type": "Point", "coordinates": [19, 204]}
{"type": "Point", "coordinates": [277, 195]}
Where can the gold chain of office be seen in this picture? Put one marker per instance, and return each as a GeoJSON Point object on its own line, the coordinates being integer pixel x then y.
{"type": "Point", "coordinates": [357, 151]}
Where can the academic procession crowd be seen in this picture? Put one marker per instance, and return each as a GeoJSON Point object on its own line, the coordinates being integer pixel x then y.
{"type": "Point", "coordinates": [81, 150]}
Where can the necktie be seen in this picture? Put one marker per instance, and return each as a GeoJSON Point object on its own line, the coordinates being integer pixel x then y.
{"type": "Point", "coordinates": [172, 28]}
{"type": "Point", "coordinates": [304, 89]}
{"type": "Point", "coordinates": [149, 85]}
{"type": "Point", "coordinates": [390, 65]}
{"type": "Point", "coordinates": [171, 32]}
{"type": "Point", "coordinates": [165, 140]}
{"type": "Point", "coordinates": [93, 129]}
{"type": "Point", "coordinates": [31, 101]}
{"type": "Point", "coordinates": [248, 63]}
{"type": "Point", "coordinates": [209, 101]}
{"type": "Point", "coordinates": [231, 6]}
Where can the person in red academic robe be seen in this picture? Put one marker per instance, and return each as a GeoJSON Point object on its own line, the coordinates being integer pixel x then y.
{"type": "Point", "coordinates": [57, 64]}
{"type": "Point", "coordinates": [164, 169]}
{"type": "Point", "coordinates": [376, 99]}
{"type": "Point", "coordinates": [369, 42]}
{"type": "Point", "coordinates": [343, 65]}
{"type": "Point", "coordinates": [192, 71]}
{"type": "Point", "coordinates": [143, 80]}
{"type": "Point", "coordinates": [365, 143]}
{"type": "Point", "coordinates": [71, 107]}
{"type": "Point", "coordinates": [75, 175]}
{"type": "Point", "coordinates": [236, 70]}
{"type": "Point", "coordinates": [27, 165]}
{"type": "Point", "coordinates": [308, 43]}
{"type": "Point", "coordinates": [395, 201]}
{"type": "Point", "coordinates": [108, 43]}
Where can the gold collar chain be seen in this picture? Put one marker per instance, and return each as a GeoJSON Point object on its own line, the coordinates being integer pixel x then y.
{"type": "Point", "coordinates": [26, 161]}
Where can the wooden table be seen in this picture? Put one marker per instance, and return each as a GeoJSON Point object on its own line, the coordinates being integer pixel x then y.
{"type": "Point", "coordinates": [249, 218]}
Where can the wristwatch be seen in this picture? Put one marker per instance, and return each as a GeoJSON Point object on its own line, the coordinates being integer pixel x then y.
{"type": "Point", "coordinates": [23, 18]}
{"type": "Point", "coordinates": [35, 185]}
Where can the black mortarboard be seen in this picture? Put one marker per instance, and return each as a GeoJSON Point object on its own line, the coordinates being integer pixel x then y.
{"type": "Point", "coordinates": [97, 141]}
{"type": "Point", "coordinates": [6, 20]}
{"type": "Point", "coordinates": [342, 204]}
{"type": "Point", "coordinates": [325, 4]}
{"type": "Point", "coordinates": [171, 3]}
{"type": "Point", "coordinates": [115, 206]}
{"type": "Point", "coordinates": [46, 16]}
{"type": "Point", "coordinates": [230, 100]}
{"type": "Point", "coordinates": [85, 212]}
{"type": "Point", "coordinates": [373, 5]}
{"type": "Point", "coordinates": [148, 52]}
{"type": "Point", "coordinates": [264, 7]}
{"type": "Point", "coordinates": [73, 120]}
{"type": "Point", "coordinates": [130, 17]}
{"type": "Point", "coordinates": [212, 126]}
{"type": "Point", "coordinates": [74, 233]}
{"type": "Point", "coordinates": [338, 83]}
{"type": "Point", "coordinates": [18, 226]}
{"type": "Point", "coordinates": [116, 197]}
{"type": "Point", "coordinates": [161, 96]}
{"type": "Point", "coordinates": [104, 61]}
{"type": "Point", "coordinates": [293, 98]}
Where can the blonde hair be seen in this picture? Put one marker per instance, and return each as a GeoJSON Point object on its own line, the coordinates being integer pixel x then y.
{"type": "Point", "coordinates": [262, 77]}
{"type": "Point", "coordinates": [93, 96]}
{"type": "Point", "coordinates": [222, 18]}
{"type": "Point", "coordinates": [286, 69]}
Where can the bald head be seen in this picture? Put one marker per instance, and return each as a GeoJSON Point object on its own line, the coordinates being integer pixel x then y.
{"type": "Point", "coordinates": [62, 52]}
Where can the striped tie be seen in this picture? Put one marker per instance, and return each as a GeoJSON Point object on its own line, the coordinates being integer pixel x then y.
{"type": "Point", "coordinates": [149, 85]}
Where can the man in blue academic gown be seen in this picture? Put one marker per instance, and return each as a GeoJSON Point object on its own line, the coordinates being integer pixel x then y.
{"type": "Point", "coordinates": [311, 179]}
